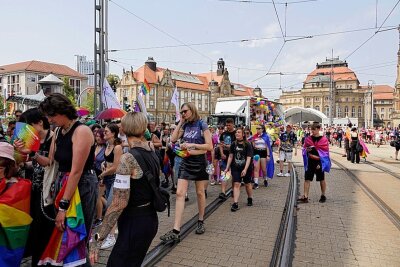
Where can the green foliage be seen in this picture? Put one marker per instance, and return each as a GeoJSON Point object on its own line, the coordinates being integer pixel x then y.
{"type": "Point", "coordinates": [89, 101]}
{"type": "Point", "coordinates": [1, 104]}
{"type": "Point", "coordinates": [68, 90]}
{"type": "Point", "coordinates": [113, 80]}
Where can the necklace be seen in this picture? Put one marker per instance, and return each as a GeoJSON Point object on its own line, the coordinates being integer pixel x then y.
{"type": "Point", "coordinates": [66, 130]}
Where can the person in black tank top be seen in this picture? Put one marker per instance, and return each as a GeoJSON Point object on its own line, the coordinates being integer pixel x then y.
{"type": "Point", "coordinates": [75, 154]}
{"type": "Point", "coordinates": [132, 201]}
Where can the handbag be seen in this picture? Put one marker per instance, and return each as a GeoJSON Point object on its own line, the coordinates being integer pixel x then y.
{"type": "Point", "coordinates": [49, 176]}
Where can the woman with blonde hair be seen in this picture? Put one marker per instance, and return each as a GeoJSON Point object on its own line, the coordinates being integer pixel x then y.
{"type": "Point", "coordinates": [196, 142]}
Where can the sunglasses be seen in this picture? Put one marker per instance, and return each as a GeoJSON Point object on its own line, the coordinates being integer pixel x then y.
{"type": "Point", "coordinates": [184, 111]}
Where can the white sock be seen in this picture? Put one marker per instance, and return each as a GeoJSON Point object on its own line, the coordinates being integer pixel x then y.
{"type": "Point", "coordinates": [256, 180]}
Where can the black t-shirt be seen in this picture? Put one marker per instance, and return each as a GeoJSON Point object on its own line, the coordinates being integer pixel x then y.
{"type": "Point", "coordinates": [313, 162]}
{"type": "Point", "coordinates": [240, 153]}
{"type": "Point", "coordinates": [227, 138]}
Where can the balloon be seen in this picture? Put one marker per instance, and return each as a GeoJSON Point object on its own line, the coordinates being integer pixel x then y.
{"type": "Point", "coordinates": [272, 105]}
{"type": "Point", "coordinates": [210, 169]}
{"type": "Point", "coordinates": [262, 102]}
{"type": "Point", "coordinates": [258, 103]}
{"type": "Point", "coordinates": [256, 157]}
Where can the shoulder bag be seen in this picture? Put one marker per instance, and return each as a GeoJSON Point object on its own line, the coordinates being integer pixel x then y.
{"type": "Point", "coordinates": [50, 173]}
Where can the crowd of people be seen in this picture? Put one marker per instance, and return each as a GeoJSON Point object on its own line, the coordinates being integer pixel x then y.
{"type": "Point", "coordinates": [101, 183]}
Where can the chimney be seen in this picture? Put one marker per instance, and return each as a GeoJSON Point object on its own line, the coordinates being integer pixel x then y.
{"type": "Point", "coordinates": [151, 63]}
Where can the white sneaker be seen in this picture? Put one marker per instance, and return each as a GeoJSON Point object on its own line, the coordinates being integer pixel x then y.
{"type": "Point", "coordinates": [108, 242]}
{"type": "Point", "coordinates": [280, 174]}
{"type": "Point", "coordinates": [287, 174]}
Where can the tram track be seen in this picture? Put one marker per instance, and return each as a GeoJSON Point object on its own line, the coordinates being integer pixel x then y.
{"type": "Point", "coordinates": [385, 208]}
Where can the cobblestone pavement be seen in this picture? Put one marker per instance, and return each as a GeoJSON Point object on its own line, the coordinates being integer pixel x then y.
{"type": "Point", "coordinates": [349, 229]}
{"type": "Point", "coordinates": [244, 238]}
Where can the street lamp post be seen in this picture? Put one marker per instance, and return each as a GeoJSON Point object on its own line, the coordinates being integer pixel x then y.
{"type": "Point", "coordinates": [371, 84]}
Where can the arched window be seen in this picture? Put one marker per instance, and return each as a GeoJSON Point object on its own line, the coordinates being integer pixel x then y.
{"type": "Point", "coordinates": [339, 112]}
{"type": "Point", "coordinates": [327, 110]}
{"type": "Point", "coordinates": [317, 108]}
{"type": "Point", "coordinates": [359, 112]}
{"type": "Point", "coordinates": [353, 111]}
{"type": "Point", "coordinates": [346, 111]}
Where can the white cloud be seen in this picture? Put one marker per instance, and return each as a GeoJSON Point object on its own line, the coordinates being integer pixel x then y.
{"type": "Point", "coordinates": [271, 30]}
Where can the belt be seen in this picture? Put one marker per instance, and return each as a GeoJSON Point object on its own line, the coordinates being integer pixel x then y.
{"type": "Point", "coordinates": [89, 172]}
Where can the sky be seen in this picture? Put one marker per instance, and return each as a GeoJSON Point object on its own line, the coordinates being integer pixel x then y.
{"type": "Point", "coordinates": [54, 31]}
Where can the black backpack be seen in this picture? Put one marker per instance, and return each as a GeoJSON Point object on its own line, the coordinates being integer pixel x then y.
{"type": "Point", "coordinates": [161, 200]}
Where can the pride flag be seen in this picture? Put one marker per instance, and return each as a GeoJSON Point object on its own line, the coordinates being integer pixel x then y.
{"type": "Point", "coordinates": [14, 221]}
{"type": "Point", "coordinates": [67, 248]}
{"type": "Point", "coordinates": [322, 147]}
{"type": "Point", "coordinates": [145, 87]}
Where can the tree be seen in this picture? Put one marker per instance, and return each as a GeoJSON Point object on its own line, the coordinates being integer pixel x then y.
{"type": "Point", "coordinates": [1, 104]}
{"type": "Point", "coordinates": [113, 80]}
{"type": "Point", "coordinates": [68, 90]}
{"type": "Point", "coordinates": [89, 101]}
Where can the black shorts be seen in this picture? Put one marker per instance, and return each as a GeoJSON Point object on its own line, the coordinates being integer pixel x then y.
{"type": "Point", "coordinates": [309, 175]}
{"type": "Point", "coordinates": [261, 153]}
{"type": "Point", "coordinates": [236, 175]}
{"type": "Point", "coordinates": [397, 148]}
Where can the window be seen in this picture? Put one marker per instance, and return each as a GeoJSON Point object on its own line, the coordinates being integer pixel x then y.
{"type": "Point", "coordinates": [382, 116]}
{"type": "Point", "coordinates": [308, 99]}
{"type": "Point", "coordinates": [382, 109]}
{"type": "Point", "coordinates": [359, 111]}
{"type": "Point", "coordinates": [13, 85]}
{"type": "Point", "coordinates": [326, 98]}
{"type": "Point", "coordinates": [151, 103]}
{"type": "Point", "coordinates": [167, 93]}
{"type": "Point", "coordinates": [308, 107]}
{"type": "Point", "coordinates": [200, 106]}
{"type": "Point", "coordinates": [317, 99]}
{"type": "Point", "coordinates": [327, 110]}
{"type": "Point", "coordinates": [353, 111]}
{"type": "Point", "coordinates": [339, 112]}
{"type": "Point", "coordinates": [346, 111]}
{"type": "Point", "coordinates": [317, 108]}
{"type": "Point", "coordinates": [152, 91]}
{"type": "Point", "coordinates": [382, 102]}
{"type": "Point", "coordinates": [390, 110]}
{"type": "Point", "coordinates": [193, 96]}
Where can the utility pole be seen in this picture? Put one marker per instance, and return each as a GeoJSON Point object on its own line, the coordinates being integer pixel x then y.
{"type": "Point", "coordinates": [100, 50]}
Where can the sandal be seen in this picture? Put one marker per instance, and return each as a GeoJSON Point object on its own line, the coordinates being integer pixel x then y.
{"type": "Point", "coordinates": [303, 199]}
{"type": "Point", "coordinates": [170, 237]}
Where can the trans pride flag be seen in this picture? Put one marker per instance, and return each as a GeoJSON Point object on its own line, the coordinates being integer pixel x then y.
{"type": "Point", "coordinates": [14, 221]}
{"type": "Point", "coordinates": [67, 248]}
{"type": "Point", "coordinates": [322, 147]}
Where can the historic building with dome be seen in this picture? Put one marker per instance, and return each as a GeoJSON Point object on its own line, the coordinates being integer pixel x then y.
{"type": "Point", "coordinates": [347, 98]}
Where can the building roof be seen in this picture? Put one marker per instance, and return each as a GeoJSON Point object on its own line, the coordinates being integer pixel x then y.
{"type": "Point", "coordinates": [42, 67]}
{"type": "Point", "coordinates": [339, 74]}
{"type": "Point", "coordinates": [242, 90]}
{"type": "Point", "coordinates": [383, 89]}
{"type": "Point", "coordinates": [383, 96]}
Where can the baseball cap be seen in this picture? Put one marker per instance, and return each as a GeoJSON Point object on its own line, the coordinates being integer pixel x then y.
{"type": "Point", "coordinates": [6, 151]}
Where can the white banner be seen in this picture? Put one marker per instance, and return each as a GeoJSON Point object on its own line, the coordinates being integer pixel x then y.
{"type": "Point", "coordinates": [141, 103]}
{"type": "Point", "coordinates": [175, 101]}
{"type": "Point", "coordinates": [109, 98]}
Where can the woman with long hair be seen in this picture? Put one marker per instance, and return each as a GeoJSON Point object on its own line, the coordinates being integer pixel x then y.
{"type": "Point", "coordinates": [43, 217]}
{"type": "Point", "coordinates": [98, 161]}
{"type": "Point", "coordinates": [196, 142]}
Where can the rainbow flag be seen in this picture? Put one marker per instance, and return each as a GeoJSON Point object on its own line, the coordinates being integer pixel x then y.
{"type": "Point", "coordinates": [145, 87]}
{"type": "Point", "coordinates": [14, 221]}
{"type": "Point", "coordinates": [67, 248]}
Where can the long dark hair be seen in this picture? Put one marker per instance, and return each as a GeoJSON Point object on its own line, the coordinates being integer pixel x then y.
{"type": "Point", "coordinates": [115, 130]}
{"type": "Point", "coordinates": [57, 103]}
{"type": "Point", "coordinates": [33, 116]}
{"type": "Point", "coordinates": [10, 168]}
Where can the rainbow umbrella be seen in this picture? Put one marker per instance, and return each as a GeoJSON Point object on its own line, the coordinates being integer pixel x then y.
{"type": "Point", "coordinates": [111, 113]}
{"type": "Point", "coordinates": [81, 111]}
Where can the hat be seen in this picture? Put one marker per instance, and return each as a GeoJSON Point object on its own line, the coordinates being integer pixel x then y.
{"type": "Point", "coordinates": [6, 151]}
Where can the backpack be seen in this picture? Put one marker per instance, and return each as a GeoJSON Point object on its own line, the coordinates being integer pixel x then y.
{"type": "Point", "coordinates": [161, 200]}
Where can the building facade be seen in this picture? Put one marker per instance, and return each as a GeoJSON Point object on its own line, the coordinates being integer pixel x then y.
{"type": "Point", "coordinates": [333, 85]}
{"type": "Point", "coordinates": [201, 89]}
{"type": "Point", "coordinates": [23, 78]}
{"type": "Point", "coordinates": [383, 104]}
{"type": "Point", "coordinates": [396, 94]}
{"type": "Point", "coordinates": [85, 67]}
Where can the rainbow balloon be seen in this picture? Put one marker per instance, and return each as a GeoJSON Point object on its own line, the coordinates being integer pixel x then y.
{"type": "Point", "coordinates": [28, 135]}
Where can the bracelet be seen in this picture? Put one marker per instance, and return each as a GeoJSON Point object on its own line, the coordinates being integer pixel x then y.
{"type": "Point", "coordinates": [62, 210]}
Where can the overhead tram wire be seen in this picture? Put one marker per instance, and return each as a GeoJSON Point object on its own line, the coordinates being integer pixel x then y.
{"type": "Point", "coordinates": [279, 21]}
{"type": "Point", "coordinates": [376, 32]}
{"type": "Point", "coordinates": [266, 2]}
{"type": "Point", "coordinates": [162, 31]}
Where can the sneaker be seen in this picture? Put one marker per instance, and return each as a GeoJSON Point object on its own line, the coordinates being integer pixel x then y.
{"type": "Point", "coordinates": [97, 223]}
{"type": "Point", "coordinates": [234, 207]}
{"type": "Point", "coordinates": [255, 186]}
{"type": "Point", "coordinates": [287, 174]}
{"type": "Point", "coordinates": [249, 201]}
{"type": "Point", "coordinates": [108, 242]}
{"type": "Point", "coordinates": [200, 228]}
{"type": "Point", "coordinates": [171, 237]}
{"type": "Point", "coordinates": [212, 182]}
{"type": "Point", "coordinates": [302, 199]}
{"type": "Point", "coordinates": [322, 199]}
{"type": "Point", "coordinates": [280, 174]}
{"type": "Point", "coordinates": [222, 196]}
{"type": "Point", "coordinates": [265, 183]}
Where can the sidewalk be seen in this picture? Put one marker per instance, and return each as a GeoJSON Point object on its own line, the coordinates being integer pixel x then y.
{"type": "Point", "coordinates": [242, 238]}
{"type": "Point", "coordinates": [348, 230]}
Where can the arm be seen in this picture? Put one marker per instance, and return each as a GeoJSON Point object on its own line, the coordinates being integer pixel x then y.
{"type": "Point", "coordinates": [117, 157]}
{"type": "Point", "coordinates": [178, 132]}
{"type": "Point", "coordinates": [208, 142]}
{"type": "Point", "coordinates": [156, 141]}
{"type": "Point", "coordinates": [228, 165]}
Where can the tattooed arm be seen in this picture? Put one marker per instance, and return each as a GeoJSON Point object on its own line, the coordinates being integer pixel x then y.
{"type": "Point", "coordinates": [127, 166]}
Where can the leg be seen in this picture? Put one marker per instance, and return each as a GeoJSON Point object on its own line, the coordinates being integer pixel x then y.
{"type": "Point", "coordinates": [249, 190]}
{"type": "Point", "coordinates": [201, 198]}
{"type": "Point", "coordinates": [306, 187]}
{"type": "Point", "coordinates": [236, 192]}
{"type": "Point", "coordinates": [256, 172]}
{"type": "Point", "coordinates": [323, 187]}
{"type": "Point", "coordinates": [180, 202]}
{"type": "Point", "coordinates": [263, 165]}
